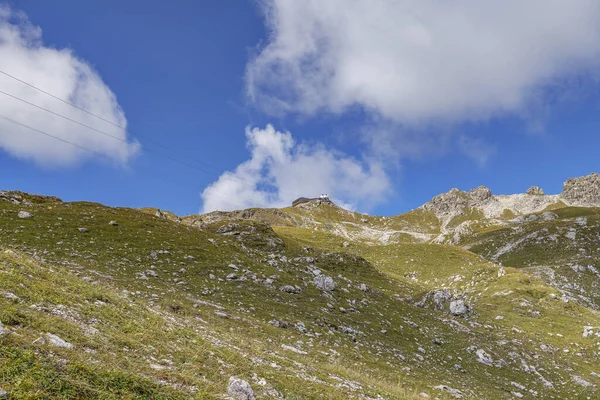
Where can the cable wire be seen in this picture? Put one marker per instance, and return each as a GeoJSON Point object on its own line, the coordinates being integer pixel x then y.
{"type": "Point", "coordinates": [229, 178]}
{"type": "Point", "coordinates": [167, 179]}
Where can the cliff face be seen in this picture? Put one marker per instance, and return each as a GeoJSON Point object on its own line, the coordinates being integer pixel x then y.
{"type": "Point", "coordinates": [582, 191]}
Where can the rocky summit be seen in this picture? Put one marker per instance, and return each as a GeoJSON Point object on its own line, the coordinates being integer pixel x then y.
{"type": "Point", "coordinates": [584, 191]}
{"type": "Point", "coordinates": [473, 295]}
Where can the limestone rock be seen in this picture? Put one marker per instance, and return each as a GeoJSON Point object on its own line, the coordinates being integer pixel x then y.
{"type": "Point", "coordinates": [484, 358]}
{"type": "Point", "coordinates": [11, 296]}
{"type": "Point", "coordinates": [580, 381]}
{"type": "Point", "coordinates": [53, 340]}
{"type": "Point", "coordinates": [448, 203]}
{"type": "Point", "coordinates": [482, 193]}
{"type": "Point", "coordinates": [440, 297]}
{"type": "Point", "coordinates": [24, 215]}
{"type": "Point", "coordinates": [458, 308]}
{"type": "Point", "coordinates": [324, 282]}
{"type": "Point", "coordinates": [151, 273]}
{"type": "Point", "coordinates": [457, 394]}
{"type": "Point", "coordinates": [3, 394]}
{"type": "Point", "coordinates": [301, 327]}
{"type": "Point", "coordinates": [232, 276]}
{"type": "Point", "coordinates": [291, 289]}
{"type": "Point", "coordinates": [240, 389]}
{"type": "Point", "coordinates": [113, 223]}
{"type": "Point", "coordinates": [535, 191]}
{"type": "Point", "coordinates": [82, 230]}
{"type": "Point", "coordinates": [582, 191]}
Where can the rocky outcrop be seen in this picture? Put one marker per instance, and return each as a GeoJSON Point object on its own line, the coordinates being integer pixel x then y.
{"type": "Point", "coordinates": [300, 200]}
{"type": "Point", "coordinates": [457, 202]}
{"type": "Point", "coordinates": [458, 308]}
{"type": "Point", "coordinates": [305, 201]}
{"type": "Point", "coordinates": [582, 191]}
{"type": "Point", "coordinates": [324, 282]}
{"type": "Point", "coordinates": [452, 202]}
{"type": "Point", "coordinates": [482, 193]}
{"type": "Point", "coordinates": [535, 191]}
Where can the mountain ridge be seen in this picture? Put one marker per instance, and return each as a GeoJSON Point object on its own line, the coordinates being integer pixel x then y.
{"type": "Point", "coordinates": [312, 301]}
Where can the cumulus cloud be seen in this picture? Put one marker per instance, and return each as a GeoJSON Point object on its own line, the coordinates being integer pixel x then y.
{"type": "Point", "coordinates": [62, 73]}
{"type": "Point", "coordinates": [420, 61]}
{"type": "Point", "coordinates": [280, 170]}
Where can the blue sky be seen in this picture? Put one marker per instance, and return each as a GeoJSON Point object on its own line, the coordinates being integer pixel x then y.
{"type": "Point", "coordinates": [381, 104]}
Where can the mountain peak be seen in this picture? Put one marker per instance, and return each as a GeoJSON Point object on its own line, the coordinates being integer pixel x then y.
{"type": "Point", "coordinates": [312, 202]}
{"type": "Point", "coordinates": [535, 191]}
{"type": "Point", "coordinates": [582, 191]}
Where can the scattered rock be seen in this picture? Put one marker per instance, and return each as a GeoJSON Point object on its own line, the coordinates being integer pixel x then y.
{"type": "Point", "coordinates": [231, 277]}
{"type": "Point", "coordinates": [291, 289]}
{"type": "Point", "coordinates": [301, 327]}
{"type": "Point", "coordinates": [580, 381]}
{"type": "Point", "coordinates": [535, 191]}
{"type": "Point", "coordinates": [484, 358]}
{"type": "Point", "coordinates": [113, 223]}
{"type": "Point", "coordinates": [457, 394]}
{"type": "Point", "coordinates": [83, 230]}
{"type": "Point", "coordinates": [324, 282]}
{"type": "Point", "coordinates": [295, 350]}
{"type": "Point", "coordinates": [278, 324]}
{"type": "Point", "coordinates": [3, 394]}
{"type": "Point", "coordinates": [3, 330]}
{"type": "Point", "coordinates": [24, 214]}
{"type": "Point", "coordinates": [151, 273]}
{"type": "Point", "coordinates": [458, 308]}
{"type": "Point", "coordinates": [221, 314]}
{"type": "Point", "coordinates": [53, 340]}
{"type": "Point", "coordinates": [240, 389]}
{"type": "Point", "coordinates": [11, 296]}
{"type": "Point", "coordinates": [440, 297]}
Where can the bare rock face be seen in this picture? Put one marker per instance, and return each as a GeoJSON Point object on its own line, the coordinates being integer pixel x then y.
{"type": "Point", "coordinates": [456, 202]}
{"type": "Point", "coordinates": [535, 191]}
{"type": "Point", "coordinates": [480, 194]}
{"type": "Point", "coordinates": [458, 308]}
{"type": "Point", "coordinates": [324, 282]}
{"type": "Point", "coordinates": [583, 191]}
{"type": "Point", "coordinates": [451, 202]}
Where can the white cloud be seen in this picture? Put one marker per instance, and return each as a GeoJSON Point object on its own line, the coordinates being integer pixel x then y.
{"type": "Point", "coordinates": [281, 170]}
{"type": "Point", "coordinates": [60, 72]}
{"type": "Point", "coordinates": [420, 61]}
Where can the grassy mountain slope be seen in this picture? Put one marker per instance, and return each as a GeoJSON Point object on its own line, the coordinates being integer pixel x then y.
{"type": "Point", "coordinates": [561, 247]}
{"type": "Point", "coordinates": [160, 309]}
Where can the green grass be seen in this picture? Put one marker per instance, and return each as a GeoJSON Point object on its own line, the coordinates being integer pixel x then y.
{"type": "Point", "coordinates": [138, 336]}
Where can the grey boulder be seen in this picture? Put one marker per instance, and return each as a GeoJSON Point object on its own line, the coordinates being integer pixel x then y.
{"type": "Point", "coordinates": [240, 389]}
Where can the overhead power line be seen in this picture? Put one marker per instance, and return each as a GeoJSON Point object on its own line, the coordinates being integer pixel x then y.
{"type": "Point", "coordinates": [166, 178]}
{"type": "Point", "coordinates": [102, 118]}
{"type": "Point", "coordinates": [229, 178]}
